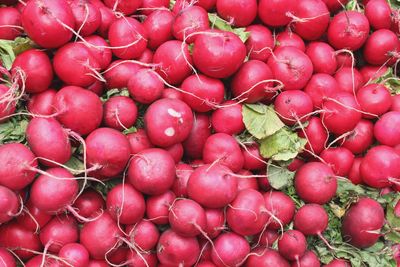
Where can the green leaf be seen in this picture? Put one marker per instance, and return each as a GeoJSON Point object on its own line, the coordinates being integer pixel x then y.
{"type": "Point", "coordinates": [7, 54]}
{"type": "Point", "coordinates": [114, 92]}
{"type": "Point", "coordinates": [279, 177]}
{"type": "Point", "coordinates": [21, 44]}
{"type": "Point", "coordinates": [13, 131]}
{"type": "Point", "coordinates": [392, 219]}
{"type": "Point", "coordinates": [219, 23]}
{"type": "Point", "coordinates": [130, 130]}
{"type": "Point", "coordinates": [261, 120]}
{"type": "Point", "coordinates": [75, 163]}
{"type": "Point", "coordinates": [282, 145]}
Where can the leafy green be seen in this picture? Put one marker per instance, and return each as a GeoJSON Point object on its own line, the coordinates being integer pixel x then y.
{"type": "Point", "coordinates": [9, 49]}
{"type": "Point", "coordinates": [75, 163]}
{"type": "Point", "coordinates": [13, 130]}
{"type": "Point", "coordinates": [130, 130]}
{"type": "Point", "coordinates": [114, 92]}
{"type": "Point", "coordinates": [219, 23]}
{"type": "Point", "coordinates": [279, 177]}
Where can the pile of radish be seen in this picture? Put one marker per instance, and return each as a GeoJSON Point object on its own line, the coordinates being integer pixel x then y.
{"type": "Point", "coordinates": [208, 133]}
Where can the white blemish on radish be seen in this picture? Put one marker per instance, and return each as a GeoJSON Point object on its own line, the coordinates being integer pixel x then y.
{"type": "Point", "coordinates": [174, 113]}
{"type": "Point", "coordinates": [169, 131]}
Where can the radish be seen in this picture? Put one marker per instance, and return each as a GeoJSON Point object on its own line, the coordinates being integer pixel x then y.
{"type": "Point", "coordinates": [78, 109]}
{"type": "Point", "coordinates": [36, 218]}
{"type": "Point", "coordinates": [119, 73]}
{"type": "Point", "coordinates": [292, 245]}
{"type": "Point", "coordinates": [338, 263]}
{"type": "Point", "coordinates": [90, 203]}
{"type": "Point", "coordinates": [280, 207]}
{"type": "Point", "coordinates": [139, 141]}
{"type": "Point", "coordinates": [87, 16]}
{"type": "Point", "coordinates": [37, 68]}
{"type": "Point", "coordinates": [100, 50]}
{"type": "Point", "coordinates": [97, 263]}
{"type": "Point", "coordinates": [288, 38]}
{"type": "Point", "coordinates": [215, 179]}
{"type": "Point", "coordinates": [148, 6]}
{"type": "Point", "coordinates": [348, 29]}
{"type": "Point", "coordinates": [374, 99]}
{"type": "Point", "coordinates": [48, 140]}
{"type": "Point", "coordinates": [260, 42]}
{"type": "Point", "coordinates": [230, 250]}
{"type": "Point", "coordinates": [125, 204]}
{"type": "Point", "coordinates": [118, 256]}
{"type": "Point", "coordinates": [107, 18]}
{"type": "Point", "coordinates": [316, 136]}
{"type": "Point", "coordinates": [143, 234]}
{"type": "Point", "coordinates": [354, 174]}
{"type": "Point", "coordinates": [215, 222]}
{"type": "Point", "coordinates": [371, 73]}
{"type": "Point", "coordinates": [291, 66]}
{"type": "Point", "coordinates": [382, 48]}
{"type": "Point", "coordinates": [361, 137]}
{"type": "Point", "coordinates": [218, 54]}
{"type": "Point", "coordinates": [311, 219]}
{"type": "Point", "coordinates": [47, 261]}
{"type": "Point", "coordinates": [362, 222]}
{"type": "Point", "coordinates": [340, 159]}
{"type": "Point", "coordinates": [349, 79]}
{"type": "Point", "coordinates": [230, 111]}
{"type": "Point", "coordinates": [274, 13]}
{"type": "Point", "coordinates": [309, 259]}
{"type": "Point", "coordinates": [321, 86]}
{"type": "Point", "coordinates": [9, 204]}
{"type": "Point", "coordinates": [191, 20]}
{"type": "Point", "coordinates": [168, 121]}
{"type": "Point", "coordinates": [152, 171]}
{"type": "Point", "coordinates": [157, 207]}
{"type": "Point", "coordinates": [127, 7]}
{"type": "Point", "coordinates": [146, 56]}
{"type": "Point", "coordinates": [158, 26]}
{"type": "Point", "coordinates": [385, 131]}
{"type": "Point", "coordinates": [183, 172]}
{"type": "Point", "coordinates": [315, 182]}
{"type": "Point", "coordinates": [252, 161]}
{"type": "Point", "coordinates": [268, 238]}
{"type": "Point", "coordinates": [144, 260]}
{"type": "Point", "coordinates": [322, 56]}
{"type": "Point", "coordinates": [7, 107]}
{"type": "Point", "coordinates": [145, 87]}
{"type": "Point", "coordinates": [201, 130]}
{"type": "Point", "coordinates": [10, 21]}
{"type": "Point", "coordinates": [120, 112]}
{"type": "Point", "coordinates": [335, 5]}
{"type": "Point", "coordinates": [293, 106]}
{"type": "Point", "coordinates": [42, 103]}
{"type": "Point", "coordinates": [395, 103]}
{"type": "Point", "coordinates": [176, 151]}
{"type": "Point", "coordinates": [48, 17]}
{"type": "Point", "coordinates": [378, 14]}
{"type": "Point", "coordinates": [295, 164]}
{"type": "Point", "coordinates": [107, 151]}
{"type": "Point", "coordinates": [75, 254]}
{"type": "Point", "coordinates": [206, 264]}
{"type": "Point", "coordinates": [206, 4]}
{"type": "Point", "coordinates": [239, 12]}
{"type": "Point", "coordinates": [6, 258]}
{"type": "Point", "coordinates": [267, 258]}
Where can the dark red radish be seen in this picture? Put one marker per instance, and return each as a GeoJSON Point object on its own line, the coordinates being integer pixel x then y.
{"type": "Point", "coordinates": [206, 264]}
{"type": "Point", "coordinates": [379, 166]}
{"type": "Point", "coordinates": [188, 22]}
{"type": "Point", "coordinates": [59, 231]}
{"type": "Point", "coordinates": [268, 238]}
{"type": "Point", "coordinates": [229, 111]}
{"type": "Point", "coordinates": [230, 249]}
{"type": "Point", "coordinates": [340, 159]}
{"type": "Point", "coordinates": [293, 106]}
{"type": "Point", "coordinates": [90, 203]}
{"type": "Point", "coordinates": [215, 222]}
{"type": "Point", "coordinates": [379, 14]}
{"type": "Point", "coordinates": [37, 68]}
{"type": "Point", "coordinates": [143, 234]}
{"type": "Point", "coordinates": [10, 24]}
{"type": "Point", "coordinates": [7, 107]}
{"type": "Point", "coordinates": [42, 103]}
{"type": "Point", "coordinates": [239, 13]}
{"type": "Point", "coordinates": [252, 82]}
{"type": "Point", "coordinates": [385, 130]}
{"type": "Point", "coordinates": [371, 73]}
{"type": "Point", "coordinates": [145, 259]}
{"type": "Point", "coordinates": [108, 152]}
{"type": "Point", "coordinates": [201, 130]}
{"type": "Point", "coordinates": [100, 49]}
{"type": "Point", "coordinates": [274, 13]}
{"type": "Point", "coordinates": [176, 151]}
{"type": "Point", "coordinates": [138, 141]}
{"type": "Point", "coordinates": [316, 136]}
{"type": "Point", "coordinates": [295, 164]}
{"type": "Point", "coordinates": [252, 158]}
{"type": "Point", "coordinates": [168, 122]}
{"type": "Point", "coordinates": [360, 138]}
{"type": "Point", "coordinates": [174, 249]}
{"type": "Point", "coordinates": [157, 207]}
{"type": "Point", "coordinates": [158, 26]}
{"type": "Point", "coordinates": [363, 222]}
{"type": "Point", "coordinates": [9, 204]}
{"type": "Point", "coordinates": [225, 150]}
{"type": "Point", "coordinates": [6, 258]}
{"type": "Point", "coordinates": [120, 112]}
{"type": "Point", "coordinates": [97, 87]}
{"type": "Point", "coordinates": [206, 248]}
{"type": "Point", "coordinates": [148, 6]}
{"type": "Point", "coordinates": [48, 140]}
{"type": "Point", "coordinates": [47, 261]}
{"type": "Point", "coordinates": [382, 47]}
{"type": "Point", "coordinates": [127, 7]}
{"type": "Point", "coordinates": [315, 182]}
{"type": "Point", "coordinates": [335, 5]}
{"type": "Point", "coordinates": [341, 113]}
{"type": "Point", "coordinates": [107, 18]}
{"type": "Point", "coordinates": [338, 263]}
{"type": "Point", "coordinates": [345, 60]}
{"type": "Point", "coordinates": [145, 86]}
{"type": "Point", "coordinates": [354, 174]}
{"type": "Point", "coordinates": [202, 93]}
{"type": "Point", "coordinates": [36, 218]}
{"type": "Point", "coordinates": [173, 61]}
{"type": "Point", "coordinates": [99, 236]}
{"type": "Point", "coordinates": [321, 86]}
{"type": "Point", "coordinates": [119, 73]}
{"type": "Point", "coordinates": [183, 172]}
{"type": "Point", "coordinates": [289, 38]}
{"type": "Point", "coordinates": [119, 255]}
{"type": "Point", "coordinates": [206, 4]}
{"type": "Point", "coordinates": [267, 258]}
{"type": "Point", "coordinates": [125, 204]}
{"type": "Point", "coordinates": [48, 17]}
{"type": "Point", "coordinates": [280, 208]}
{"type": "Point", "coordinates": [218, 54]}
{"type": "Point", "coordinates": [260, 43]}
{"type": "Point", "coordinates": [374, 99]}
{"type": "Point", "coordinates": [323, 57]}
{"type": "Point", "coordinates": [146, 57]}
{"type": "Point", "coordinates": [311, 219]}
{"type": "Point", "coordinates": [348, 30]}
{"type": "Point", "coordinates": [349, 79]}
{"type": "Point", "coordinates": [181, 5]}
{"type": "Point", "coordinates": [75, 254]}
{"type": "Point", "coordinates": [292, 245]}
{"type": "Point", "coordinates": [152, 171]}
{"type": "Point", "coordinates": [246, 214]}
{"type": "Point", "coordinates": [215, 179]}
{"type": "Point", "coordinates": [87, 17]}
{"type": "Point", "coordinates": [292, 67]}
{"type": "Point", "coordinates": [78, 109]}
{"type": "Point", "coordinates": [97, 263]}
{"type": "Point", "coordinates": [311, 19]}
{"type": "Point", "coordinates": [309, 259]}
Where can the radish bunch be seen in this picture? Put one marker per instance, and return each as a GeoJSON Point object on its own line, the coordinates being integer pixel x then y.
{"type": "Point", "coordinates": [201, 133]}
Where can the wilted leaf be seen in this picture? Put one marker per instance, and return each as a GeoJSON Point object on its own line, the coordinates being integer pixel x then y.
{"type": "Point", "coordinates": [279, 177]}
{"type": "Point", "coordinates": [219, 23]}
{"type": "Point", "coordinates": [7, 55]}
{"type": "Point", "coordinates": [75, 163]}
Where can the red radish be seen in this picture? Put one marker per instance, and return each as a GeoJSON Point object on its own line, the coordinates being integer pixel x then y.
{"type": "Point", "coordinates": [218, 54]}
{"type": "Point", "coordinates": [316, 136]}
{"type": "Point", "coordinates": [268, 238]}
{"type": "Point", "coordinates": [48, 140]}
{"type": "Point", "coordinates": [315, 182]}
{"type": "Point", "coordinates": [75, 254]}
{"type": "Point", "coordinates": [145, 87]}
{"type": "Point", "coordinates": [338, 263]}
{"type": "Point", "coordinates": [97, 87]}
{"type": "Point", "coordinates": [143, 234]}
{"type": "Point", "coordinates": [120, 112]}
{"type": "Point", "coordinates": [215, 222]}
{"type": "Point", "coordinates": [311, 23]}
{"type": "Point", "coordinates": [202, 92]}
{"type": "Point", "coordinates": [224, 149]}
{"type": "Point", "coordinates": [152, 171]}
{"type": "Point", "coordinates": [127, 7]}
{"type": "Point", "coordinates": [292, 245]}
{"type": "Point", "coordinates": [90, 203]}
{"type": "Point", "coordinates": [146, 57]}
{"type": "Point", "coordinates": [206, 264]}
{"type": "Point", "coordinates": [176, 151]}
{"type": "Point", "coordinates": [323, 57]}
{"type": "Point", "coordinates": [374, 99]}
{"type": "Point", "coordinates": [295, 164]}
{"type": "Point", "coordinates": [50, 17]}
{"type": "Point", "coordinates": [107, 18]}
{"type": "Point", "coordinates": [6, 258]}
{"type": "Point", "coordinates": [158, 26]}
{"type": "Point", "coordinates": [379, 166]}
{"type": "Point", "coordinates": [321, 86]}
{"type": "Point", "coordinates": [9, 204]}
{"type": "Point", "coordinates": [157, 207]}
{"type": "Point", "coordinates": [267, 258]}
{"type": "Point", "coordinates": [395, 103]}
{"type": "Point", "coordinates": [173, 61]}
{"type": "Point", "coordinates": [206, 4]}
{"type": "Point", "coordinates": [99, 48]}
{"type": "Point", "coordinates": [230, 249]}
{"type": "Point", "coordinates": [246, 214]}
{"type": "Point", "coordinates": [288, 38]}
{"type": "Point", "coordinates": [309, 259]}
{"type": "Point", "coordinates": [215, 179]}
{"type": "Point", "coordinates": [47, 261]}
{"type": "Point", "coordinates": [354, 174]}
{"type": "Point", "coordinates": [292, 67]}
{"type": "Point", "coordinates": [379, 14]}
{"type": "Point", "coordinates": [119, 73]}
{"type": "Point", "coordinates": [7, 107]}
{"type": "Point", "coordinates": [371, 73]}
{"type": "Point", "coordinates": [381, 48]}
{"type": "Point", "coordinates": [191, 20]}
{"type": "Point", "coordinates": [144, 260]}
{"type": "Point", "coordinates": [78, 109]}
{"type": "Point", "coordinates": [311, 219]}
{"type": "Point", "coordinates": [107, 151]}
{"type": "Point", "coordinates": [42, 103]}
{"type": "Point", "coordinates": [99, 236]}
{"type": "Point", "coordinates": [148, 6]}
{"type": "Point", "coordinates": [251, 82]}
{"type": "Point", "coordinates": [139, 141]}
{"type": "Point", "coordinates": [280, 207]}
{"type": "Point", "coordinates": [361, 137]}
{"type": "Point", "coordinates": [36, 218]}
{"type": "Point", "coordinates": [260, 42]}
{"type": "Point", "coordinates": [37, 68]}
{"type": "Point", "coordinates": [362, 221]}
{"type": "Point", "coordinates": [59, 231]}
{"type": "Point", "coordinates": [10, 23]}
{"type": "Point", "coordinates": [274, 13]}
{"type": "Point", "coordinates": [252, 159]}
{"type": "Point", "coordinates": [385, 130]}
{"type": "Point", "coordinates": [230, 111]}
{"type": "Point", "coordinates": [344, 60]}
{"type": "Point", "coordinates": [239, 12]}
{"type": "Point", "coordinates": [125, 204]}
{"type": "Point", "coordinates": [349, 79]}
{"type": "Point", "coordinates": [183, 172]}
{"type": "Point", "coordinates": [340, 159]}
{"type": "Point", "coordinates": [174, 249]}
{"type": "Point", "coordinates": [201, 130]}
{"type": "Point", "coordinates": [168, 121]}
{"type": "Point", "coordinates": [349, 30]}
{"type": "Point", "coordinates": [335, 5]}
{"type": "Point", "coordinates": [293, 106]}
{"type": "Point", "coordinates": [97, 263]}
{"type": "Point", "coordinates": [118, 256]}
{"type": "Point", "coordinates": [87, 16]}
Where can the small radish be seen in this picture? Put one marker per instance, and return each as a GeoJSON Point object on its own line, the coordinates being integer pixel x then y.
{"type": "Point", "coordinates": [239, 12]}
{"type": "Point", "coordinates": [289, 38]}
{"type": "Point", "coordinates": [379, 14]}
{"type": "Point", "coordinates": [145, 259]}
{"type": "Point", "coordinates": [145, 87]}
{"type": "Point", "coordinates": [252, 160]}
{"type": "Point", "coordinates": [158, 27]}
{"type": "Point", "coordinates": [374, 99]}
{"type": "Point", "coordinates": [349, 79]}
{"type": "Point", "coordinates": [361, 137]}
{"type": "Point", "coordinates": [321, 86]}
{"type": "Point", "coordinates": [75, 254]}
{"type": "Point", "coordinates": [338, 263]}
{"type": "Point", "coordinates": [268, 238]}
{"type": "Point", "coordinates": [6, 258]}
{"type": "Point", "coordinates": [120, 112]}
{"type": "Point", "coordinates": [340, 159]}
{"type": "Point", "coordinates": [230, 111]}
{"type": "Point", "coordinates": [119, 73]}
{"type": "Point", "coordinates": [309, 259]}
{"type": "Point", "coordinates": [385, 130]}
{"type": "Point", "coordinates": [42, 103]}
{"type": "Point", "coordinates": [274, 13]}
{"type": "Point", "coordinates": [280, 207]}
{"type": "Point", "coordinates": [90, 203]}
{"type": "Point", "coordinates": [316, 136]}
{"type": "Point", "coordinates": [260, 42]}
{"type": "Point", "coordinates": [230, 249]}
{"type": "Point", "coordinates": [33, 218]}
{"type": "Point", "coordinates": [127, 7]}
{"type": "Point", "coordinates": [293, 106]}
{"type": "Point", "coordinates": [10, 21]}
{"type": "Point", "coordinates": [157, 207]}
{"type": "Point", "coordinates": [267, 258]}
{"type": "Point", "coordinates": [87, 16]}
{"type": "Point", "coordinates": [139, 141]}
{"type": "Point", "coordinates": [292, 245]}
{"type": "Point", "coordinates": [9, 204]}
{"type": "Point", "coordinates": [100, 50]}
{"type": "Point", "coordinates": [201, 130]}
{"type": "Point", "coordinates": [215, 222]}
{"type": "Point", "coordinates": [382, 47]}
{"type": "Point", "coordinates": [311, 219]}
{"type": "Point", "coordinates": [354, 174]}
{"type": "Point", "coordinates": [143, 234]}
{"type": "Point", "coordinates": [322, 56]}
{"type": "Point", "coordinates": [191, 20]}
{"type": "Point", "coordinates": [183, 172]}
